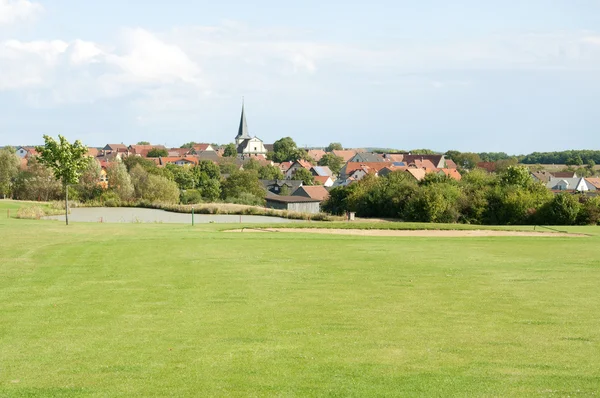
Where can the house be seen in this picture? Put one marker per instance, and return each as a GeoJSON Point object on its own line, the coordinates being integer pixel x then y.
{"type": "Point", "coordinates": [452, 173]}
{"type": "Point", "coordinates": [490, 167]}
{"type": "Point", "coordinates": [178, 161]}
{"type": "Point", "coordinates": [285, 166]}
{"type": "Point", "coordinates": [316, 154]}
{"type": "Point", "coordinates": [298, 164]}
{"type": "Point", "coordinates": [595, 182]}
{"type": "Point", "coordinates": [396, 166]}
{"type": "Point", "coordinates": [142, 150]}
{"type": "Point", "coordinates": [213, 156]}
{"type": "Point", "coordinates": [294, 203]}
{"type": "Point", "coordinates": [312, 191]}
{"type": "Point", "coordinates": [103, 181]}
{"type": "Point", "coordinates": [246, 145]}
{"type": "Point", "coordinates": [394, 157]}
{"type": "Point", "coordinates": [25, 152]}
{"type": "Point", "coordinates": [175, 152]}
{"type": "Point", "coordinates": [570, 185]}
{"type": "Point", "coordinates": [277, 186]}
{"type": "Point", "coordinates": [345, 154]}
{"type": "Point", "coordinates": [326, 181]}
{"type": "Point", "coordinates": [417, 174]}
{"type": "Point", "coordinates": [115, 148]}
{"type": "Point", "coordinates": [450, 164]}
{"type": "Point", "coordinates": [93, 152]}
{"type": "Point", "coordinates": [370, 167]}
{"type": "Point", "coordinates": [438, 161]}
{"type": "Point", "coordinates": [367, 157]}
{"type": "Point", "coordinates": [203, 147]}
{"type": "Point", "coordinates": [321, 171]}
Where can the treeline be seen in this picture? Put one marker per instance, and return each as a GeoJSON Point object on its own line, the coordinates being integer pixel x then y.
{"type": "Point", "coordinates": [572, 158]}
{"type": "Point", "coordinates": [136, 179]}
{"type": "Point", "coordinates": [509, 198]}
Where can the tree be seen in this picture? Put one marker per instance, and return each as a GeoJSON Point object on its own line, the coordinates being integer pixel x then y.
{"type": "Point", "coordinates": [335, 163]}
{"type": "Point", "coordinates": [183, 176]}
{"type": "Point", "coordinates": [188, 145]}
{"type": "Point", "coordinates": [36, 183]}
{"type": "Point", "coordinates": [252, 164]}
{"type": "Point", "coordinates": [131, 161]}
{"type": "Point", "coordinates": [67, 161]}
{"type": "Point", "coordinates": [563, 209]}
{"type": "Point", "coordinates": [574, 160]}
{"type": "Point", "coordinates": [466, 160]}
{"type": "Point", "coordinates": [516, 175]}
{"type": "Point", "coordinates": [334, 146]}
{"type": "Point", "coordinates": [154, 188]}
{"type": "Point", "coordinates": [304, 175]}
{"type": "Point", "coordinates": [285, 150]}
{"type": "Point", "coordinates": [88, 187]}
{"type": "Point", "coordinates": [143, 143]}
{"type": "Point", "coordinates": [242, 182]}
{"type": "Point", "coordinates": [230, 151]}
{"type": "Point", "coordinates": [9, 168]}
{"type": "Point", "coordinates": [228, 167]}
{"type": "Point", "coordinates": [210, 189]}
{"type": "Point", "coordinates": [158, 153]}
{"type": "Point", "coordinates": [119, 181]}
{"type": "Point", "coordinates": [270, 172]}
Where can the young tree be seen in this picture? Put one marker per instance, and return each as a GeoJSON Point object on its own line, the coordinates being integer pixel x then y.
{"type": "Point", "coordinates": [9, 168]}
{"type": "Point", "coordinates": [67, 161]}
{"type": "Point", "coordinates": [230, 151]}
{"type": "Point", "coordinates": [335, 163]}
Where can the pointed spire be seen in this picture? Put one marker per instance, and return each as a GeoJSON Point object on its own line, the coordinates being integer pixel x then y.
{"type": "Point", "coordinates": [243, 130]}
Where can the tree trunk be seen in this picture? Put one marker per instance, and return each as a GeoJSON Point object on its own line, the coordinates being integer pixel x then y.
{"type": "Point", "coordinates": [67, 204]}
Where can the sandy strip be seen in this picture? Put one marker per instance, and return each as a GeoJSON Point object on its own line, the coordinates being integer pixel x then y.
{"type": "Point", "coordinates": [421, 233]}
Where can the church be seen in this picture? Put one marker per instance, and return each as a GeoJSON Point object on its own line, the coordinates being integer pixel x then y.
{"type": "Point", "coordinates": [248, 146]}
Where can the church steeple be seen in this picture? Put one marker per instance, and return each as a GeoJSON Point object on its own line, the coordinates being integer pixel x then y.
{"type": "Point", "coordinates": [243, 129]}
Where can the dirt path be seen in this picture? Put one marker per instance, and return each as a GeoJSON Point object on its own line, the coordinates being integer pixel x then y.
{"type": "Point", "coordinates": [420, 233]}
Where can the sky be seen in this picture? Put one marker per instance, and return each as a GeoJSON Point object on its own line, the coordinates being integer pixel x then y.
{"type": "Point", "coordinates": [514, 76]}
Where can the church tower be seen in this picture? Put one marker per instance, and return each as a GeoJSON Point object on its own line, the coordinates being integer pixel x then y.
{"type": "Point", "coordinates": [243, 130]}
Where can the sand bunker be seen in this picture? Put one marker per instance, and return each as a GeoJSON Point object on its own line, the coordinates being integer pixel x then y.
{"type": "Point", "coordinates": [421, 233]}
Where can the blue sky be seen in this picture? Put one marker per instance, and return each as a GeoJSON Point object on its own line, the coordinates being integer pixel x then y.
{"type": "Point", "coordinates": [509, 76]}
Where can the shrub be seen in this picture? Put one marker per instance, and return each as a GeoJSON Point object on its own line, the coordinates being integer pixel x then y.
{"type": "Point", "coordinates": [563, 209]}
{"type": "Point", "coordinates": [191, 197]}
{"type": "Point", "coordinates": [31, 212]}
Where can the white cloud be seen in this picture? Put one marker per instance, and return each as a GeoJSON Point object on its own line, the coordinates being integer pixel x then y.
{"type": "Point", "coordinates": [12, 11]}
{"type": "Point", "coordinates": [178, 68]}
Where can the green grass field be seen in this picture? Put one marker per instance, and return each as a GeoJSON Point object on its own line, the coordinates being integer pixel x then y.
{"type": "Point", "coordinates": [169, 310]}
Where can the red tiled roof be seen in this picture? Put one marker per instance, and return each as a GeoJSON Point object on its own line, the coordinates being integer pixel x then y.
{"type": "Point", "coordinates": [321, 179]}
{"type": "Point", "coordinates": [346, 154]}
{"type": "Point", "coordinates": [313, 191]}
{"type": "Point", "coordinates": [452, 173]}
{"type": "Point", "coordinates": [372, 167]}
{"type": "Point", "coordinates": [188, 159]}
{"type": "Point", "coordinates": [316, 154]}
{"type": "Point", "coordinates": [202, 147]}
{"type": "Point", "coordinates": [595, 181]}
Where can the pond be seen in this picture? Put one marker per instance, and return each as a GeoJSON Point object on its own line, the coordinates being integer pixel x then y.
{"type": "Point", "coordinates": [137, 215]}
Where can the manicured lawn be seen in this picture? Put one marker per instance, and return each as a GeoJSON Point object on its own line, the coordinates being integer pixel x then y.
{"type": "Point", "coordinates": [170, 310]}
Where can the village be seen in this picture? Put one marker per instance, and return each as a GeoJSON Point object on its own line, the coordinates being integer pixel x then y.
{"type": "Point", "coordinates": [327, 167]}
